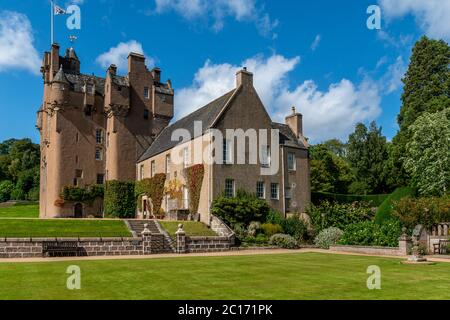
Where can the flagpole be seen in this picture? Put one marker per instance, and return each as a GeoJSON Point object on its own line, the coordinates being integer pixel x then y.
{"type": "Point", "coordinates": [52, 8]}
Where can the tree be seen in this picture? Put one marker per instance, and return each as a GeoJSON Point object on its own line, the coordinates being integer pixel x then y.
{"type": "Point", "coordinates": [367, 154]}
{"type": "Point", "coordinates": [428, 153]}
{"type": "Point", "coordinates": [426, 89]}
{"type": "Point", "coordinates": [6, 188]}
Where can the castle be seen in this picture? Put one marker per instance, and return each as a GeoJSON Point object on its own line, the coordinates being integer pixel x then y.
{"type": "Point", "coordinates": [94, 129]}
{"type": "Point", "coordinates": [117, 128]}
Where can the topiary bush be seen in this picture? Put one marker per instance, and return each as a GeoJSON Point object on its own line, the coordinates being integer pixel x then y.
{"type": "Point", "coordinates": [283, 241]}
{"type": "Point", "coordinates": [119, 200]}
{"type": "Point", "coordinates": [328, 237]}
{"type": "Point", "coordinates": [384, 211]}
{"type": "Point", "coordinates": [242, 209]}
{"type": "Point", "coordinates": [269, 229]}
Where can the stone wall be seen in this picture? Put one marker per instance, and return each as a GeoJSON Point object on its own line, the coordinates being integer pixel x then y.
{"type": "Point", "coordinates": [207, 244]}
{"type": "Point", "coordinates": [378, 251]}
{"type": "Point", "coordinates": [219, 227]}
{"type": "Point", "coordinates": [33, 248]}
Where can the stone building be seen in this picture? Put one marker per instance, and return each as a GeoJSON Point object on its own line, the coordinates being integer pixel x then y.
{"type": "Point", "coordinates": [287, 189]}
{"type": "Point", "coordinates": [94, 129]}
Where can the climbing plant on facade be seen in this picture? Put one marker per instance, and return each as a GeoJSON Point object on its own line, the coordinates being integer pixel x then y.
{"type": "Point", "coordinates": [194, 176]}
{"type": "Point", "coordinates": [152, 188]}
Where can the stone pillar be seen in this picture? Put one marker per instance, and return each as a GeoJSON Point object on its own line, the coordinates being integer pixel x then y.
{"type": "Point", "coordinates": [181, 239]}
{"type": "Point", "coordinates": [146, 240]}
{"type": "Point", "coordinates": [404, 245]}
{"type": "Point", "coordinates": [446, 230]}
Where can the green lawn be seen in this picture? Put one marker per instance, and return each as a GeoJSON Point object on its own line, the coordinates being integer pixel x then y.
{"type": "Point", "coordinates": [62, 228]}
{"type": "Point", "coordinates": [191, 228]}
{"type": "Point", "coordinates": [289, 276]}
{"type": "Point", "coordinates": [20, 211]}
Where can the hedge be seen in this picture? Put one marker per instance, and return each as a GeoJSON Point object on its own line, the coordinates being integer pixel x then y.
{"type": "Point", "coordinates": [78, 194]}
{"type": "Point", "coordinates": [384, 211]}
{"type": "Point", "coordinates": [374, 199]}
{"type": "Point", "coordinates": [119, 200]}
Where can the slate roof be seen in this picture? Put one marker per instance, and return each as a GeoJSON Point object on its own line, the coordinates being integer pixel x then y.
{"type": "Point", "coordinates": [206, 115]}
{"type": "Point", "coordinates": [120, 81]}
{"type": "Point", "coordinates": [60, 76]}
{"type": "Point", "coordinates": [77, 82]}
{"type": "Point", "coordinates": [287, 136]}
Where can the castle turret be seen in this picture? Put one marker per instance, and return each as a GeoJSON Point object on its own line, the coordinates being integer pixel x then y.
{"type": "Point", "coordinates": [60, 88]}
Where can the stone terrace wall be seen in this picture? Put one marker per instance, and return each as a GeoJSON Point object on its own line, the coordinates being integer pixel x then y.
{"type": "Point", "coordinates": [207, 244]}
{"type": "Point", "coordinates": [219, 227]}
{"type": "Point", "coordinates": [382, 251]}
{"type": "Point", "coordinates": [32, 248]}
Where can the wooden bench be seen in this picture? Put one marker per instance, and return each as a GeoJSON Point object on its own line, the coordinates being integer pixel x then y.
{"type": "Point", "coordinates": [60, 248]}
{"type": "Point", "coordinates": [441, 247]}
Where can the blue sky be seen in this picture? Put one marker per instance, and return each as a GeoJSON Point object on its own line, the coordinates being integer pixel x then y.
{"type": "Point", "coordinates": [317, 55]}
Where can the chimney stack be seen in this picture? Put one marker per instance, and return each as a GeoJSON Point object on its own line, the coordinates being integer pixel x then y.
{"type": "Point", "coordinates": [244, 78]}
{"type": "Point", "coordinates": [295, 122]}
{"type": "Point", "coordinates": [156, 74]}
{"type": "Point", "coordinates": [112, 69]}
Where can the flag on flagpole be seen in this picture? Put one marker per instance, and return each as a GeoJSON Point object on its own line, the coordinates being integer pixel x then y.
{"type": "Point", "coordinates": [58, 10]}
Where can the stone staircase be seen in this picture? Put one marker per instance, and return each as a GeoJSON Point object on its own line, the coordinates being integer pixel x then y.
{"type": "Point", "coordinates": [137, 226]}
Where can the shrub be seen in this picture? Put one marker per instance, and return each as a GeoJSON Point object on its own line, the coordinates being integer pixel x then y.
{"type": "Point", "coordinates": [253, 228]}
{"type": "Point", "coordinates": [372, 199]}
{"type": "Point", "coordinates": [152, 188]}
{"type": "Point", "coordinates": [120, 201]}
{"type": "Point", "coordinates": [328, 237]}
{"type": "Point", "coordinates": [6, 188]}
{"type": "Point", "coordinates": [261, 239]}
{"type": "Point", "coordinates": [194, 180]}
{"type": "Point", "coordinates": [242, 209]}
{"type": "Point", "coordinates": [18, 194]}
{"type": "Point", "coordinates": [329, 214]}
{"type": "Point", "coordinates": [270, 229]}
{"type": "Point", "coordinates": [274, 217]}
{"type": "Point", "coordinates": [384, 211]}
{"type": "Point", "coordinates": [33, 194]}
{"type": "Point", "coordinates": [369, 233]}
{"type": "Point", "coordinates": [78, 194]}
{"type": "Point", "coordinates": [296, 228]}
{"type": "Point", "coordinates": [283, 241]}
{"type": "Point", "coordinates": [424, 211]}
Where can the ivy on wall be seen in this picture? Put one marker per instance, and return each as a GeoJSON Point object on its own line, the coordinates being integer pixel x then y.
{"type": "Point", "coordinates": [194, 179]}
{"type": "Point", "coordinates": [119, 200]}
{"type": "Point", "coordinates": [152, 188]}
{"type": "Point", "coordinates": [78, 194]}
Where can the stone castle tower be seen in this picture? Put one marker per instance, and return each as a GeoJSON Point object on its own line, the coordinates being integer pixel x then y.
{"type": "Point", "coordinates": [94, 129]}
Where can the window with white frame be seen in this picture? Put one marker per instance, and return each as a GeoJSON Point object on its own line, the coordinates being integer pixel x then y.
{"type": "Point", "coordinates": [265, 156]}
{"type": "Point", "coordinates": [146, 93]}
{"type": "Point", "coordinates": [260, 190]}
{"type": "Point", "coordinates": [288, 193]}
{"type": "Point", "coordinates": [227, 152]}
{"type": "Point", "coordinates": [99, 136]}
{"type": "Point", "coordinates": [186, 159]}
{"type": "Point", "coordinates": [152, 168]}
{"type": "Point", "coordinates": [185, 198]}
{"type": "Point", "coordinates": [168, 166]}
{"type": "Point", "coordinates": [274, 191]}
{"type": "Point", "coordinates": [98, 154]}
{"type": "Point", "coordinates": [141, 172]}
{"type": "Point", "coordinates": [229, 188]}
{"type": "Point", "coordinates": [292, 165]}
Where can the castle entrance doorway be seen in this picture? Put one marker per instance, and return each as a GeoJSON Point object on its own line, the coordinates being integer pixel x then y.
{"type": "Point", "coordinates": [78, 211]}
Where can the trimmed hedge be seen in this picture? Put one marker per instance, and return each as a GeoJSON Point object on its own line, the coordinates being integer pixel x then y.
{"type": "Point", "coordinates": [120, 201]}
{"type": "Point", "coordinates": [384, 211]}
{"type": "Point", "coordinates": [374, 199]}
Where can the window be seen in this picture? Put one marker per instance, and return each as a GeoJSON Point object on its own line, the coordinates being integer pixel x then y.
{"type": "Point", "coordinates": [88, 110]}
{"type": "Point", "coordinates": [78, 173]}
{"type": "Point", "coordinates": [100, 178]}
{"type": "Point", "coordinates": [77, 137]}
{"type": "Point", "coordinates": [98, 154]}
{"type": "Point", "coordinates": [141, 172]}
{"type": "Point", "coordinates": [229, 188]}
{"type": "Point", "coordinates": [227, 152]}
{"type": "Point", "coordinates": [107, 140]}
{"type": "Point", "coordinates": [291, 162]}
{"type": "Point", "coordinates": [288, 193]}
{"type": "Point", "coordinates": [146, 114]}
{"type": "Point", "coordinates": [260, 190]}
{"type": "Point", "coordinates": [168, 166]}
{"type": "Point", "coordinates": [146, 93]}
{"type": "Point", "coordinates": [152, 168]}
{"type": "Point", "coordinates": [265, 156]}
{"type": "Point", "coordinates": [99, 136]}
{"type": "Point", "coordinates": [185, 198]}
{"type": "Point", "coordinates": [186, 159]}
{"type": "Point", "coordinates": [274, 191]}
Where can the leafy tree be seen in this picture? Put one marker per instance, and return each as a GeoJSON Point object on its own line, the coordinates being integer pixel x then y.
{"type": "Point", "coordinates": [428, 156]}
{"type": "Point", "coordinates": [367, 153]}
{"type": "Point", "coordinates": [426, 89]}
{"type": "Point", "coordinates": [6, 188]}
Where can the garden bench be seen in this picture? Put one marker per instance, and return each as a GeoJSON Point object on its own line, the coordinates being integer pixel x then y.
{"type": "Point", "coordinates": [60, 248]}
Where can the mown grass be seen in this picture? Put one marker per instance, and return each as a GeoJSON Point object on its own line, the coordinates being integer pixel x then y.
{"type": "Point", "coordinates": [26, 228]}
{"type": "Point", "coordinates": [191, 228]}
{"type": "Point", "coordinates": [289, 276]}
{"type": "Point", "coordinates": [20, 211]}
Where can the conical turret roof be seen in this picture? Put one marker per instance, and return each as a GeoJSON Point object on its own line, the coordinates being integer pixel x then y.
{"type": "Point", "coordinates": [60, 76]}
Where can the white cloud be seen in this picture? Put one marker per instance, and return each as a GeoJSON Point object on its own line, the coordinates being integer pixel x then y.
{"type": "Point", "coordinates": [431, 15]}
{"type": "Point", "coordinates": [118, 55]}
{"type": "Point", "coordinates": [17, 50]}
{"type": "Point", "coordinates": [219, 10]}
{"type": "Point", "coordinates": [316, 42]}
{"type": "Point", "coordinates": [329, 114]}
{"type": "Point", "coordinates": [392, 79]}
